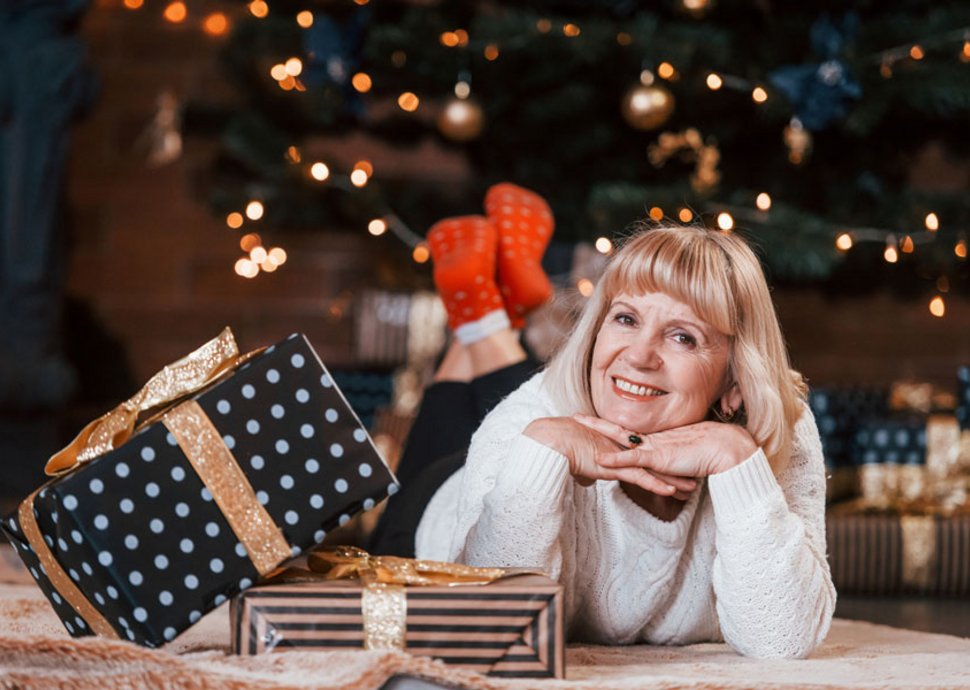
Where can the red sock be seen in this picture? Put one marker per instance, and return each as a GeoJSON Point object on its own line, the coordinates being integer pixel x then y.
{"type": "Point", "coordinates": [524, 223]}
{"type": "Point", "coordinates": [463, 250]}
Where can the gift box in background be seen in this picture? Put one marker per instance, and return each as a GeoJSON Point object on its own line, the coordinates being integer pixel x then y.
{"type": "Point", "coordinates": [512, 626]}
{"type": "Point", "coordinates": [899, 554]}
{"type": "Point", "coordinates": [141, 541]}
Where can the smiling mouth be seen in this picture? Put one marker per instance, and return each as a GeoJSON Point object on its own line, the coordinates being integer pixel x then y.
{"type": "Point", "coordinates": [635, 389]}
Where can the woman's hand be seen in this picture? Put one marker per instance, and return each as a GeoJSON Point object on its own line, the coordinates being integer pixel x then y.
{"type": "Point", "coordinates": [585, 446]}
{"type": "Point", "coordinates": [695, 450]}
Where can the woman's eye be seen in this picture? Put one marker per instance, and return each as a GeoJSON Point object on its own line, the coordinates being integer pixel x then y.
{"type": "Point", "coordinates": [624, 319]}
{"type": "Point", "coordinates": [685, 339]}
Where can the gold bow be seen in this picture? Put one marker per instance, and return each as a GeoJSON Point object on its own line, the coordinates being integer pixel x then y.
{"type": "Point", "coordinates": [188, 375]}
{"type": "Point", "coordinates": [343, 562]}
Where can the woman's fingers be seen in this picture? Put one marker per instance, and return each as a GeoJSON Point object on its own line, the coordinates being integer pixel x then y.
{"type": "Point", "coordinates": [613, 431]}
{"type": "Point", "coordinates": [687, 484]}
{"type": "Point", "coordinates": [645, 480]}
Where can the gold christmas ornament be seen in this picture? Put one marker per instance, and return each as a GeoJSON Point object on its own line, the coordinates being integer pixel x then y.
{"type": "Point", "coordinates": [798, 140]}
{"type": "Point", "coordinates": [647, 106]}
{"type": "Point", "coordinates": [461, 120]}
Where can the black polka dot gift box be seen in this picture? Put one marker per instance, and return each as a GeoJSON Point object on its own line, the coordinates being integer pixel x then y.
{"type": "Point", "coordinates": [243, 463]}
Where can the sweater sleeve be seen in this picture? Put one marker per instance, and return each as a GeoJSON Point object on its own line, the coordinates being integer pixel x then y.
{"type": "Point", "coordinates": [774, 591]}
{"type": "Point", "coordinates": [513, 494]}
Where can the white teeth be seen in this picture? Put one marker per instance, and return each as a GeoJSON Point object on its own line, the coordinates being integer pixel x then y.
{"type": "Point", "coordinates": [642, 391]}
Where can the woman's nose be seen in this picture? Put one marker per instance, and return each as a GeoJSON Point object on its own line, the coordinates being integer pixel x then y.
{"type": "Point", "coordinates": [644, 353]}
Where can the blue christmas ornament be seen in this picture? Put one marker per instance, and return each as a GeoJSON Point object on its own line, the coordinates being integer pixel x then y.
{"type": "Point", "coordinates": [819, 92]}
{"type": "Point", "coordinates": [333, 54]}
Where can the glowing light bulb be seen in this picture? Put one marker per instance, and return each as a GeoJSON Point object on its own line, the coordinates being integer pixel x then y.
{"type": "Point", "coordinates": [377, 227]}
{"type": "Point", "coordinates": [624, 39]}
{"type": "Point", "coordinates": [358, 178]}
{"type": "Point", "coordinates": [249, 242]}
{"type": "Point", "coordinates": [176, 12]}
{"type": "Point", "coordinates": [666, 71]}
{"type": "Point", "coordinates": [254, 210]}
{"type": "Point", "coordinates": [361, 82]}
{"type": "Point", "coordinates": [366, 166]}
{"type": "Point", "coordinates": [319, 171]}
{"type": "Point", "coordinates": [844, 242]}
{"type": "Point", "coordinates": [278, 72]}
{"type": "Point", "coordinates": [463, 89]}
{"type": "Point", "coordinates": [763, 202]}
{"type": "Point", "coordinates": [305, 19]}
{"type": "Point", "coordinates": [544, 26]}
{"type": "Point", "coordinates": [570, 30]}
{"type": "Point", "coordinates": [585, 287]}
{"type": "Point", "coordinates": [891, 254]}
{"type": "Point", "coordinates": [916, 52]}
{"type": "Point", "coordinates": [714, 81]}
{"type": "Point", "coordinates": [258, 254]}
{"type": "Point", "coordinates": [408, 101]}
{"type": "Point", "coordinates": [725, 221]}
{"type": "Point", "coordinates": [961, 249]}
{"type": "Point", "coordinates": [932, 222]}
{"type": "Point", "coordinates": [277, 255]}
{"type": "Point", "coordinates": [491, 52]}
{"type": "Point", "coordinates": [259, 8]}
{"type": "Point", "coordinates": [234, 220]}
{"type": "Point", "coordinates": [216, 24]}
{"type": "Point", "coordinates": [965, 53]}
{"type": "Point", "coordinates": [759, 95]}
{"type": "Point", "coordinates": [462, 37]}
{"type": "Point", "coordinates": [294, 66]}
{"type": "Point", "coordinates": [421, 254]}
{"type": "Point", "coordinates": [937, 306]}
{"type": "Point", "coordinates": [134, 4]}
{"type": "Point", "coordinates": [603, 245]}
{"type": "Point", "coordinates": [685, 215]}
{"type": "Point", "coordinates": [246, 268]}
{"type": "Point", "coordinates": [656, 213]}
{"type": "Point", "coordinates": [907, 246]}
{"type": "Point", "coordinates": [449, 39]}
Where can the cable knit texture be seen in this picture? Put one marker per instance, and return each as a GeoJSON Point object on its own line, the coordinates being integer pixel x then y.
{"type": "Point", "coordinates": [743, 562]}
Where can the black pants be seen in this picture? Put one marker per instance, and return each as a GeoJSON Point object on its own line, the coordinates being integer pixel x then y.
{"type": "Point", "coordinates": [436, 447]}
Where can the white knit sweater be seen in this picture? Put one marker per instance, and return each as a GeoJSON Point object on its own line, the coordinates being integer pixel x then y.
{"type": "Point", "coordinates": [744, 562]}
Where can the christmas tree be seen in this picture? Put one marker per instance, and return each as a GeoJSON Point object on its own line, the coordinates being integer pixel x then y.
{"type": "Point", "coordinates": [798, 125]}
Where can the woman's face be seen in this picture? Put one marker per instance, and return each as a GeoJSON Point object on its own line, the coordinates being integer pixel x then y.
{"type": "Point", "coordinates": [656, 364]}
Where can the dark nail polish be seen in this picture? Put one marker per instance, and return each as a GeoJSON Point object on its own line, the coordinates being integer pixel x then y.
{"type": "Point", "coordinates": [635, 440]}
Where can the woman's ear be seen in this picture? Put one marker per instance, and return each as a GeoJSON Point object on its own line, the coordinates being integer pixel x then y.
{"type": "Point", "coordinates": [731, 400]}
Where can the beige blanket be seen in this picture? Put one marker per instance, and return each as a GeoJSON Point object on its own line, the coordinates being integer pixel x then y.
{"type": "Point", "coordinates": [36, 652]}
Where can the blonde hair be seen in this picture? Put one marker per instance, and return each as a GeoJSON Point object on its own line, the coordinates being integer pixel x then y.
{"type": "Point", "coordinates": [719, 277]}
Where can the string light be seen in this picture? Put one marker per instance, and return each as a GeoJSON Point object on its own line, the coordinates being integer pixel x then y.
{"type": "Point", "coordinates": [937, 307]}
{"type": "Point", "coordinates": [544, 26]}
{"type": "Point", "coordinates": [254, 210]}
{"type": "Point", "coordinates": [294, 66]}
{"type": "Point", "coordinates": [932, 222]}
{"type": "Point", "coordinates": [277, 255]}
{"type": "Point", "coordinates": [361, 82]}
{"type": "Point", "coordinates": [268, 266]}
{"type": "Point", "coordinates": [462, 89]}
{"type": "Point", "coordinates": [421, 253]}
{"type": "Point", "coordinates": [246, 268]}
{"type": "Point", "coordinates": [656, 213]}
{"type": "Point", "coordinates": [449, 39]}
{"type": "Point", "coordinates": [666, 71]}
{"type": "Point", "coordinates": [278, 72]}
{"type": "Point", "coordinates": [305, 19]}
{"type": "Point", "coordinates": [319, 171]}
{"type": "Point", "coordinates": [714, 81]}
{"type": "Point", "coordinates": [570, 30]}
{"type": "Point", "coordinates": [365, 166]}
{"type": "Point", "coordinates": [293, 154]}
{"type": "Point", "coordinates": [258, 254]}
{"type": "Point", "coordinates": [358, 178]}
{"type": "Point", "coordinates": [491, 52]}
{"type": "Point", "coordinates": [259, 9]}
{"type": "Point", "coordinates": [361, 2]}
{"type": "Point", "coordinates": [624, 39]}
{"type": "Point", "coordinates": [763, 202]}
{"type": "Point", "coordinates": [965, 53]}
{"type": "Point", "coordinates": [215, 24]}
{"type": "Point", "coordinates": [408, 101]}
{"type": "Point", "coordinates": [603, 245]}
{"type": "Point", "coordinates": [961, 249]}
{"type": "Point", "coordinates": [288, 83]}
{"type": "Point", "coordinates": [399, 58]}
{"type": "Point", "coordinates": [844, 242]}
{"type": "Point", "coordinates": [725, 221]}
{"type": "Point", "coordinates": [916, 53]}
{"type": "Point", "coordinates": [759, 95]}
{"type": "Point", "coordinates": [685, 215]}
{"type": "Point", "coordinates": [377, 227]}
{"type": "Point", "coordinates": [176, 12]}
{"type": "Point", "coordinates": [907, 245]}
{"type": "Point", "coordinates": [234, 220]}
{"type": "Point", "coordinates": [249, 242]}
{"type": "Point", "coordinates": [462, 37]}
{"type": "Point", "coordinates": [890, 253]}
{"type": "Point", "coordinates": [134, 4]}
{"type": "Point", "coordinates": [585, 287]}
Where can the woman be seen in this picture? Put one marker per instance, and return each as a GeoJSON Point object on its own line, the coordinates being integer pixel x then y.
{"type": "Point", "coordinates": [675, 390]}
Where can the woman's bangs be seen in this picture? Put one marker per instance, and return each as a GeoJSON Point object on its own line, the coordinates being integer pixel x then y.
{"type": "Point", "coordinates": [692, 270]}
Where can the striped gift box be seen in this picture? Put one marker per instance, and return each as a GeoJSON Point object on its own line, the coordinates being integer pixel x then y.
{"type": "Point", "coordinates": [891, 554]}
{"type": "Point", "coordinates": [512, 627]}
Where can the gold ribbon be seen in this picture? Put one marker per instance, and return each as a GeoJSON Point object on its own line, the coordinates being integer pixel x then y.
{"type": "Point", "coordinates": [201, 443]}
{"type": "Point", "coordinates": [188, 375]}
{"type": "Point", "coordinates": [384, 598]}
